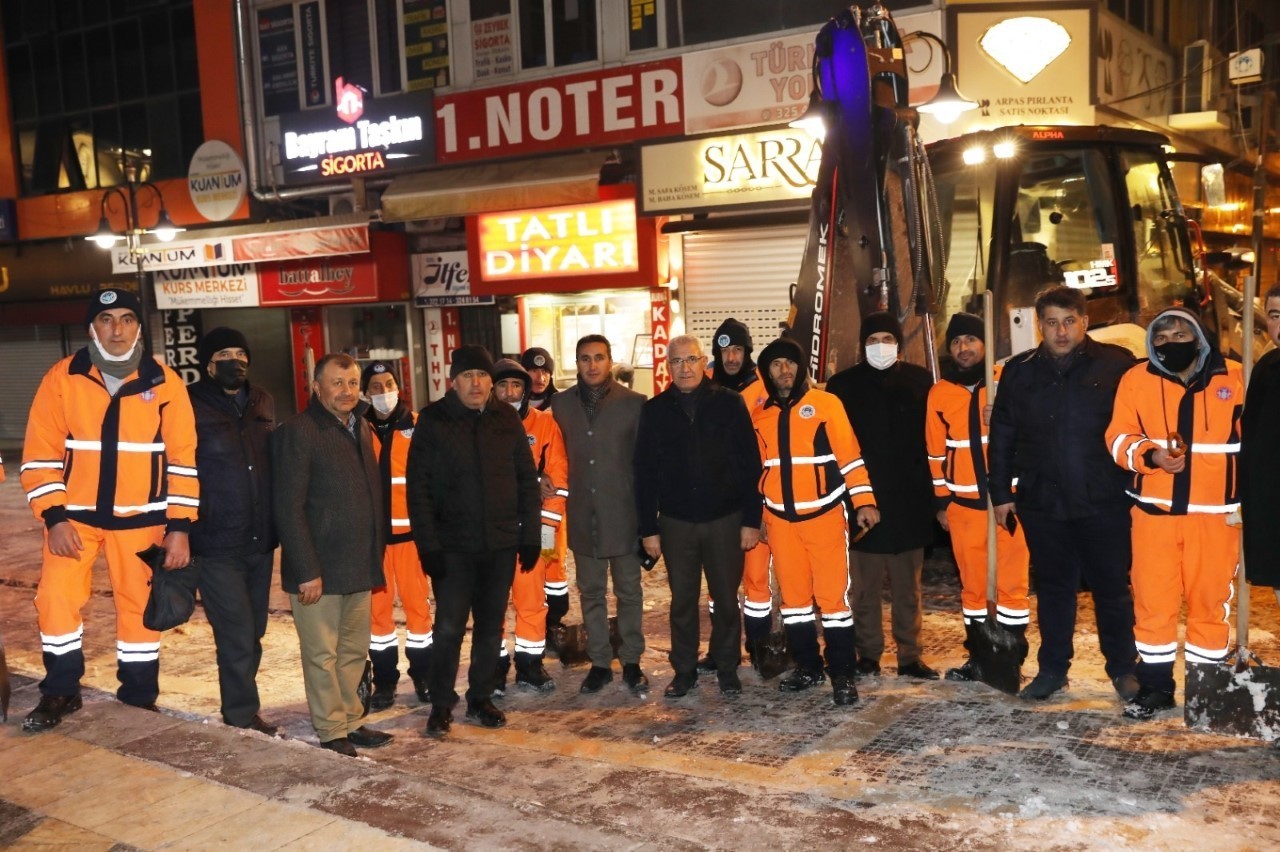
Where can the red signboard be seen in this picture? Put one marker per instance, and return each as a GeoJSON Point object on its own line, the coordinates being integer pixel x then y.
{"type": "Point", "coordinates": [311, 242]}
{"type": "Point", "coordinates": [347, 278]}
{"type": "Point", "coordinates": [660, 326]}
{"type": "Point", "coordinates": [307, 334]}
{"type": "Point", "coordinates": [595, 108]}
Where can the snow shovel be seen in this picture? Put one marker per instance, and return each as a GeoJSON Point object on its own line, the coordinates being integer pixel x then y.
{"type": "Point", "coordinates": [4, 685]}
{"type": "Point", "coordinates": [996, 656]}
{"type": "Point", "coordinates": [1239, 696]}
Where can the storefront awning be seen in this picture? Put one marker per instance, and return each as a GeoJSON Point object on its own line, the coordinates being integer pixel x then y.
{"type": "Point", "coordinates": [490, 187]}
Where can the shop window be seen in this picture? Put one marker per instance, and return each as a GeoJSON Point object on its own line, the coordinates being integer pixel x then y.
{"type": "Point", "coordinates": [556, 322]}
{"type": "Point", "coordinates": [376, 332]}
{"type": "Point", "coordinates": [564, 30]}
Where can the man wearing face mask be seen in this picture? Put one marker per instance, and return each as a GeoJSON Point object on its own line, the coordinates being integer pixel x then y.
{"type": "Point", "coordinates": [1176, 429]}
{"type": "Point", "coordinates": [109, 464]}
{"type": "Point", "coordinates": [234, 536]}
{"type": "Point", "coordinates": [392, 423]}
{"type": "Point", "coordinates": [528, 591]}
{"type": "Point", "coordinates": [542, 387]}
{"type": "Point", "coordinates": [885, 401]}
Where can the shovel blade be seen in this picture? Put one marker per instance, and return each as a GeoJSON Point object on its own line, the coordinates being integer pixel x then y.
{"type": "Point", "coordinates": [772, 658]}
{"type": "Point", "coordinates": [1233, 699]}
{"type": "Point", "coordinates": [997, 657]}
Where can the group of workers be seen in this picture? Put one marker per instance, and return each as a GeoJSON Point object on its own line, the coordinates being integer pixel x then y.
{"type": "Point", "coordinates": [1126, 475]}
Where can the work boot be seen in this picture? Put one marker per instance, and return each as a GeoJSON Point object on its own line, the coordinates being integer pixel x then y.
{"type": "Point", "coordinates": [1043, 685]}
{"type": "Point", "coordinates": [707, 665]}
{"type": "Point", "coordinates": [1148, 702]}
{"type": "Point", "coordinates": [801, 679]}
{"type": "Point", "coordinates": [866, 667]}
{"type": "Point", "coordinates": [531, 674]}
{"type": "Point", "coordinates": [918, 670]}
{"type": "Point", "coordinates": [422, 689]}
{"type": "Point", "coordinates": [596, 679]}
{"type": "Point", "coordinates": [485, 712]}
{"type": "Point", "coordinates": [681, 684]}
{"type": "Point", "coordinates": [729, 683]}
{"type": "Point", "coordinates": [751, 654]}
{"type": "Point", "coordinates": [843, 691]}
{"type": "Point", "coordinates": [634, 678]}
{"type": "Point", "coordinates": [384, 696]}
{"type": "Point", "coordinates": [504, 668]}
{"type": "Point", "coordinates": [1127, 686]}
{"type": "Point", "coordinates": [963, 674]}
{"type": "Point", "coordinates": [50, 711]}
{"type": "Point", "coordinates": [440, 720]}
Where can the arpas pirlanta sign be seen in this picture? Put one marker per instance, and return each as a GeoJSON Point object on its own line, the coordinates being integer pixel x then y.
{"type": "Point", "coordinates": [359, 135]}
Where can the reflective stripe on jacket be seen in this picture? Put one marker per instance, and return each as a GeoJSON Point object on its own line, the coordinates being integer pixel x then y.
{"type": "Point", "coordinates": [392, 446]}
{"type": "Point", "coordinates": [957, 464]}
{"type": "Point", "coordinates": [1206, 413]}
{"type": "Point", "coordinates": [811, 457]}
{"type": "Point", "coordinates": [547, 445]}
{"type": "Point", "coordinates": [112, 462]}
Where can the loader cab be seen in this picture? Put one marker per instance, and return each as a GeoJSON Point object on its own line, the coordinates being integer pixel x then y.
{"type": "Point", "coordinates": [1095, 208]}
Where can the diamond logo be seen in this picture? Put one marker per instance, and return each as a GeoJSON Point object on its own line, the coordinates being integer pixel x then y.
{"type": "Point", "coordinates": [1025, 46]}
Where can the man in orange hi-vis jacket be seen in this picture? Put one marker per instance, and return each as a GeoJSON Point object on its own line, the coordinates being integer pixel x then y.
{"type": "Point", "coordinates": [512, 384]}
{"type": "Point", "coordinates": [733, 368]}
{"type": "Point", "coordinates": [108, 465]}
{"type": "Point", "coordinates": [1176, 426]}
{"type": "Point", "coordinates": [392, 423]}
{"type": "Point", "coordinates": [958, 463]}
{"type": "Point", "coordinates": [812, 469]}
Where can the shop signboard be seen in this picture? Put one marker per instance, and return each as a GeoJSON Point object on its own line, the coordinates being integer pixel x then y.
{"type": "Point", "coordinates": [182, 332]}
{"type": "Point", "coordinates": [747, 85]}
{"type": "Point", "coordinates": [306, 333]}
{"type": "Point", "coordinates": [359, 135]}
{"type": "Point", "coordinates": [328, 280]}
{"type": "Point", "coordinates": [261, 247]}
{"type": "Point", "coordinates": [443, 328]}
{"type": "Point", "coordinates": [761, 167]}
{"type": "Point", "coordinates": [492, 50]}
{"type": "Point", "coordinates": [660, 327]}
{"type": "Point", "coordinates": [177, 254]}
{"type": "Point", "coordinates": [230, 285]}
{"type": "Point", "coordinates": [597, 108]}
{"type": "Point", "coordinates": [443, 278]}
{"type": "Point", "coordinates": [313, 76]}
{"type": "Point", "coordinates": [559, 242]}
{"type": "Point", "coordinates": [216, 180]}
{"type": "Point", "coordinates": [278, 54]}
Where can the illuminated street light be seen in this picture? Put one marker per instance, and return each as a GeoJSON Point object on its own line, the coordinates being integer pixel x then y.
{"type": "Point", "coordinates": [947, 104]}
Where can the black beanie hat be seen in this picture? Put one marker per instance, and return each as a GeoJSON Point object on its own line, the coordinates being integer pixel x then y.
{"type": "Point", "coordinates": [109, 300]}
{"type": "Point", "coordinates": [377, 368]}
{"type": "Point", "coordinates": [470, 357]}
{"type": "Point", "coordinates": [507, 368]}
{"type": "Point", "coordinates": [783, 347]}
{"type": "Point", "coordinates": [217, 339]}
{"type": "Point", "coordinates": [537, 358]}
{"type": "Point", "coordinates": [731, 332]}
{"type": "Point", "coordinates": [962, 324]}
{"type": "Point", "coordinates": [880, 321]}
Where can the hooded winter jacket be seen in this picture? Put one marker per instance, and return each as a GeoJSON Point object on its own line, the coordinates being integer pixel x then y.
{"type": "Point", "coordinates": [812, 461]}
{"type": "Point", "coordinates": [1152, 403]}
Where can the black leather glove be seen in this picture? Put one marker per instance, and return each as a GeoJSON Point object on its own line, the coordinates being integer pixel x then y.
{"type": "Point", "coordinates": [432, 563]}
{"type": "Point", "coordinates": [529, 555]}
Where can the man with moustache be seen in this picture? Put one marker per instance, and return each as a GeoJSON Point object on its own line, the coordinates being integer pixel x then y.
{"type": "Point", "coordinates": [328, 506]}
{"type": "Point", "coordinates": [234, 537]}
{"type": "Point", "coordinates": [475, 507]}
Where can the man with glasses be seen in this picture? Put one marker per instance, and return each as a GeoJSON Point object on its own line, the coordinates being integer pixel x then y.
{"type": "Point", "coordinates": [696, 467]}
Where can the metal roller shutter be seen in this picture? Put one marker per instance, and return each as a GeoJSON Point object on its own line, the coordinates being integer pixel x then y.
{"type": "Point", "coordinates": [33, 350]}
{"type": "Point", "coordinates": [746, 274]}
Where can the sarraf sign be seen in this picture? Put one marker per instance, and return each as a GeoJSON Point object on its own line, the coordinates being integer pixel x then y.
{"type": "Point", "coordinates": [559, 242]}
{"type": "Point", "coordinates": [360, 135]}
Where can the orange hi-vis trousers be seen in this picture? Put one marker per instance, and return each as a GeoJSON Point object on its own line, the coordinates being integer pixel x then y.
{"type": "Point", "coordinates": [404, 576]}
{"type": "Point", "coordinates": [811, 560]}
{"type": "Point", "coordinates": [556, 585]}
{"type": "Point", "coordinates": [63, 591]}
{"type": "Point", "coordinates": [757, 596]}
{"type": "Point", "coordinates": [969, 543]}
{"type": "Point", "coordinates": [1176, 557]}
{"type": "Point", "coordinates": [529, 598]}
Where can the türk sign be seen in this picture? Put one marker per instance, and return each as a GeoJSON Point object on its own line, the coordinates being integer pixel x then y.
{"type": "Point", "coordinates": [360, 135]}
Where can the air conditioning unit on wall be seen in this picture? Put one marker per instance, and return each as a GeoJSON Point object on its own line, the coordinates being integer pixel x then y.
{"type": "Point", "coordinates": [1204, 74]}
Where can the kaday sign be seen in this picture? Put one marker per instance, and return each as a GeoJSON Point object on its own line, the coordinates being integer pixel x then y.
{"type": "Point", "coordinates": [360, 135]}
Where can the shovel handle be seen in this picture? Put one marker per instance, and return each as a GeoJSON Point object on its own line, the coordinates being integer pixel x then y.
{"type": "Point", "coordinates": [989, 363]}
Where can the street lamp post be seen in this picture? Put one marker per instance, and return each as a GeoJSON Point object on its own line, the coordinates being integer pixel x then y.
{"type": "Point", "coordinates": [130, 199]}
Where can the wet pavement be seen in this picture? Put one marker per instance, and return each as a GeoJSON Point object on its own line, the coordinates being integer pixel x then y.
{"type": "Point", "coordinates": [913, 765]}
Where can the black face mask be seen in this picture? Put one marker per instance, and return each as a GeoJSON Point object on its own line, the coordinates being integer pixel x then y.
{"type": "Point", "coordinates": [230, 374]}
{"type": "Point", "coordinates": [1176, 357]}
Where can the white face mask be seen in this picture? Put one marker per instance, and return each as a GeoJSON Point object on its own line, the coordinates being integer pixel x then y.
{"type": "Point", "coordinates": [384, 403]}
{"type": "Point", "coordinates": [516, 405]}
{"type": "Point", "coordinates": [107, 356]}
{"type": "Point", "coordinates": [882, 356]}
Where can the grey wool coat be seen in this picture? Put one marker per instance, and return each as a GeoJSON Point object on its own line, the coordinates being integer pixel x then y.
{"type": "Point", "coordinates": [328, 503]}
{"type": "Point", "coordinates": [601, 507]}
